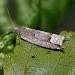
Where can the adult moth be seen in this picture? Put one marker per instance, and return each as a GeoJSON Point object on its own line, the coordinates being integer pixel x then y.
{"type": "Point", "coordinates": [41, 38]}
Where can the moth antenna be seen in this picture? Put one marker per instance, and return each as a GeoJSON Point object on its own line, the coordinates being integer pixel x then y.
{"type": "Point", "coordinates": [10, 18]}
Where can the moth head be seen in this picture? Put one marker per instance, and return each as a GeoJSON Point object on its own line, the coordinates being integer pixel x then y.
{"type": "Point", "coordinates": [16, 29]}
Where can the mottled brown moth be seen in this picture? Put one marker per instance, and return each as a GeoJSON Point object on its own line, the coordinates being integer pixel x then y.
{"type": "Point", "coordinates": [41, 38]}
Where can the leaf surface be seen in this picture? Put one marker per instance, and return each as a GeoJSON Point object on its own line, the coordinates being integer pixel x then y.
{"type": "Point", "coordinates": [29, 59]}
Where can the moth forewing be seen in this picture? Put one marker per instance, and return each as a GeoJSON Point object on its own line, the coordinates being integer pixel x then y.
{"type": "Point", "coordinates": [41, 38]}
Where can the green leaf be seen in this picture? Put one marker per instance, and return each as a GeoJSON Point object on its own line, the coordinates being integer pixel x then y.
{"type": "Point", "coordinates": [1, 60]}
{"type": "Point", "coordinates": [29, 59]}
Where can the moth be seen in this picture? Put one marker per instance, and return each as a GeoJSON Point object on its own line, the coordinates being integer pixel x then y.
{"type": "Point", "coordinates": [41, 38]}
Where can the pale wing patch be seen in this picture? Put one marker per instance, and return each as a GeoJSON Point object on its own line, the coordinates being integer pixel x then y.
{"type": "Point", "coordinates": [57, 39]}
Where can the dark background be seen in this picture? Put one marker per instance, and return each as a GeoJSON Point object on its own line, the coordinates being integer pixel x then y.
{"type": "Point", "coordinates": [1, 72]}
{"type": "Point", "coordinates": [68, 22]}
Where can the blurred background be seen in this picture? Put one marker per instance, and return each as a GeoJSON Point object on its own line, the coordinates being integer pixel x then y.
{"type": "Point", "coordinates": [46, 15]}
